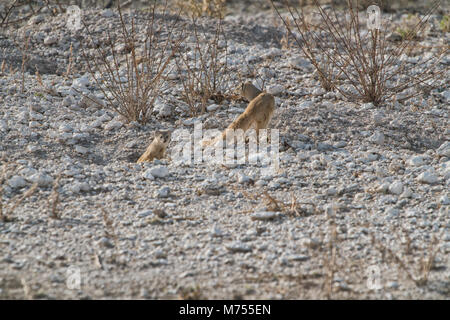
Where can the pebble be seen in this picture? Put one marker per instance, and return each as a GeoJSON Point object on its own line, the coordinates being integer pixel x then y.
{"type": "Point", "coordinates": [212, 107]}
{"type": "Point", "coordinates": [65, 128]}
{"type": "Point", "coordinates": [113, 125]}
{"type": "Point", "coordinates": [396, 188]}
{"type": "Point", "coordinates": [17, 182]}
{"type": "Point", "coordinates": [148, 175]}
{"type": "Point", "coordinates": [444, 200]}
{"type": "Point", "coordinates": [416, 161]}
{"type": "Point", "coordinates": [275, 89]}
{"type": "Point", "coordinates": [163, 109]}
{"type": "Point", "coordinates": [81, 149]}
{"type": "Point", "coordinates": [237, 247]}
{"type": "Point", "coordinates": [42, 179]}
{"type": "Point", "coordinates": [407, 193]}
{"type": "Point", "coordinates": [444, 150]}
{"type": "Point", "coordinates": [243, 179]}
{"type": "Point", "coordinates": [163, 192]}
{"type": "Point", "coordinates": [427, 177]}
{"type": "Point", "coordinates": [3, 126]}
{"type": "Point", "coordinates": [264, 215]}
{"type": "Point", "coordinates": [158, 171]}
{"type": "Point", "coordinates": [81, 82]}
{"type": "Point", "coordinates": [377, 137]}
{"type": "Point", "coordinates": [49, 40]}
{"type": "Point", "coordinates": [78, 187]}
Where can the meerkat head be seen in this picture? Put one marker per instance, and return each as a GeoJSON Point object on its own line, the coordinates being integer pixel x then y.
{"type": "Point", "coordinates": [163, 136]}
{"type": "Point", "coordinates": [249, 91]}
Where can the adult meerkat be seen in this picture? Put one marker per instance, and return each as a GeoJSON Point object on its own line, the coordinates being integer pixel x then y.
{"type": "Point", "coordinates": [258, 112]}
{"type": "Point", "coordinates": [157, 148]}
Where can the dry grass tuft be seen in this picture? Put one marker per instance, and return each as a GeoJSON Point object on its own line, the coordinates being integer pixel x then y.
{"type": "Point", "coordinates": [7, 209]}
{"type": "Point", "coordinates": [130, 71]}
{"type": "Point", "coordinates": [360, 64]}
{"type": "Point", "coordinates": [421, 275]}
{"type": "Point", "coordinates": [203, 67]}
{"type": "Point", "coordinates": [53, 200]}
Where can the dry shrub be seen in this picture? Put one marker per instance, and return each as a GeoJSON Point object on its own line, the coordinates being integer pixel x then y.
{"type": "Point", "coordinates": [130, 70]}
{"type": "Point", "coordinates": [362, 65]}
{"type": "Point", "coordinates": [203, 66]}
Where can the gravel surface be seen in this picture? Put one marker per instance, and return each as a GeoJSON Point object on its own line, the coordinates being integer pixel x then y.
{"type": "Point", "coordinates": [359, 207]}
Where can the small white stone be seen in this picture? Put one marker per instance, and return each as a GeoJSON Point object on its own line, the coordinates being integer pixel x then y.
{"type": "Point", "coordinates": [396, 188]}
{"type": "Point", "coordinates": [446, 95]}
{"type": "Point", "coordinates": [31, 148]}
{"type": "Point", "coordinates": [163, 192]}
{"type": "Point", "coordinates": [275, 89]}
{"type": "Point", "coordinates": [298, 62]}
{"type": "Point", "coordinates": [17, 182]}
{"type": "Point", "coordinates": [427, 177]}
{"type": "Point", "coordinates": [444, 150]}
{"type": "Point", "coordinates": [242, 178]}
{"type": "Point", "coordinates": [212, 107]}
{"type": "Point", "coordinates": [238, 247]}
{"type": "Point", "coordinates": [340, 144]}
{"type": "Point", "coordinates": [65, 128]}
{"type": "Point", "coordinates": [216, 231]}
{"type": "Point", "coordinates": [383, 188]}
{"type": "Point", "coordinates": [148, 175]}
{"type": "Point", "coordinates": [331, 191]}
{"type": "Point", "coordinates": [96, 124]}
{"type": "Point", "coordinates": [36, 116]}
{"type": "Point", "coordinates": [77, 187]}
{"type": "Point", "coordinates": [163, 109]}
{"type": "Point", "coordinates": [67, 101]}
{"type": "Point", "coordinates": [416, 161]}
{"type": "Point", "coordinates": [318, 91]}
{"type": "Point", "coordinates": [407, 193]}
{"type": "Point", "coordinates": [113, 125]}
{"type": "Point", "coordinates": [158, 171]}
{"type": "Point", "coordinates": [81, 149]}
{"type": "Point", "coordinates": [42, 179]}
{"type": "Point", "coordinates": [3, 126]}
{"type": "Point", "coordinates": [80, 82]}
{"type": "Point", "coordinates": [392, 212]}
{"type": "Point", "coordinates": [107, 13]}
{"type": "Point", "coordinates": [34, 124]}
{"type": "Point", "coordinates": [378, 117]}
{"type": "Point", "coordinates": [49, 40]}
{"type": "Point", "coordinates": [377, 137]}
{"type": "Point", "coordinates": [264, 215]}
{"type": "Point", "coordinates": [367, 106]}
{"type": "Point", "coordinates": [444, 200]}
{"type": "Point", "coordinates": [36, 19]}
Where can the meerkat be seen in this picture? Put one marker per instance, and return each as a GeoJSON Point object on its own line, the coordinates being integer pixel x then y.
{"type": "Point", "coordinates": [258, 112]}
{"type": "Point", "coordinates": [157, 148]}
{"type": "Point", "coordinates": [249, 91]}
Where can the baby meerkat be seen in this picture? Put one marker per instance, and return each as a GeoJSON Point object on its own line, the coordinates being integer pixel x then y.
{"type": "Point", "coordinates": [258, 112]}
{"type": "Point", "coordinates": [157, 148]}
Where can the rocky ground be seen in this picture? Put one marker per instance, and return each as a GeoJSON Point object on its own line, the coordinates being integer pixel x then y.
{"type": "Point", "coordinates": [359, 207]}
